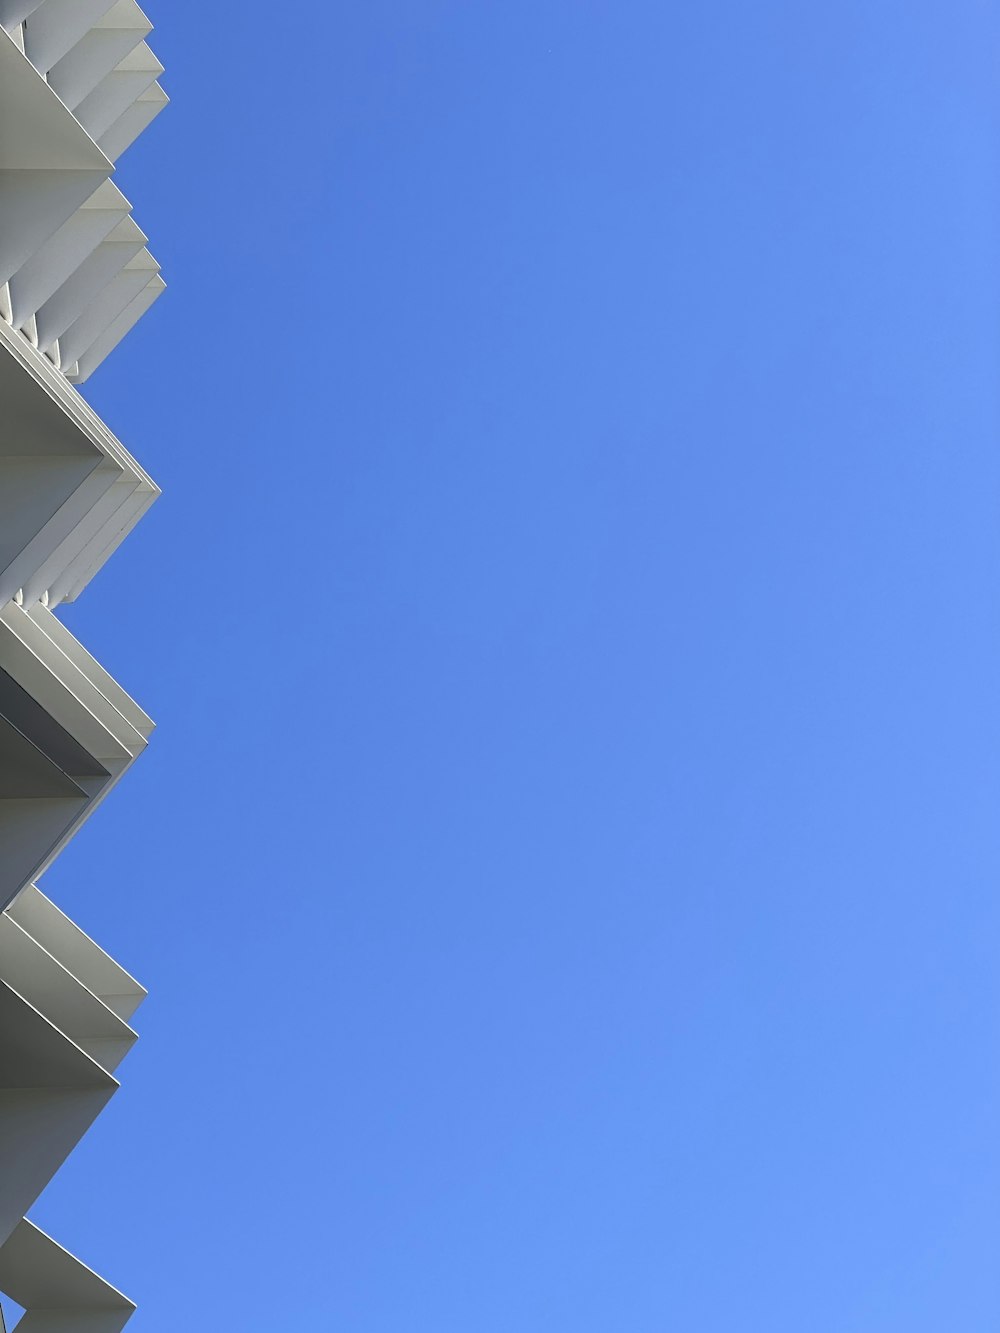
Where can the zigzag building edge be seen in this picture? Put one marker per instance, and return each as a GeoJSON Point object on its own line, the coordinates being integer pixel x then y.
{"type": "Point", "coordinates": [78, 84]}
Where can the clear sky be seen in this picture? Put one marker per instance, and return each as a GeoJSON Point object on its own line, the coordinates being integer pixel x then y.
{"type": "Point", "coordinates": [566, 870]}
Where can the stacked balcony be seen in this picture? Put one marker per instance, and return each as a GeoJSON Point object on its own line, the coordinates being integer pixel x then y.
{"type": "Point", "coordinates": [78, 84]}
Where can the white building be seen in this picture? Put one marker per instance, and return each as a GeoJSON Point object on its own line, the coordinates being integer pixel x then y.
{"type": "Point", "coordinates": [78, 84]}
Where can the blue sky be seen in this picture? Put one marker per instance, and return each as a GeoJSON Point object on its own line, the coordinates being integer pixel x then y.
{"type": "Point", "coordinates": [566, 869]}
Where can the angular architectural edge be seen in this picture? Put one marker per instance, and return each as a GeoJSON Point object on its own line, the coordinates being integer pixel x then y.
{"type": "Point", "coordinates": [78, 84]}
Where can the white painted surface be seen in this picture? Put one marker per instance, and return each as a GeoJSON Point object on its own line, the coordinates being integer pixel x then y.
{"type": "Point", "coordinates": [78, 84]}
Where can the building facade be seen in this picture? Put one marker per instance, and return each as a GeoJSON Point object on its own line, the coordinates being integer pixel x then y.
{"type": "Point", "coordinates": [78, 85]}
